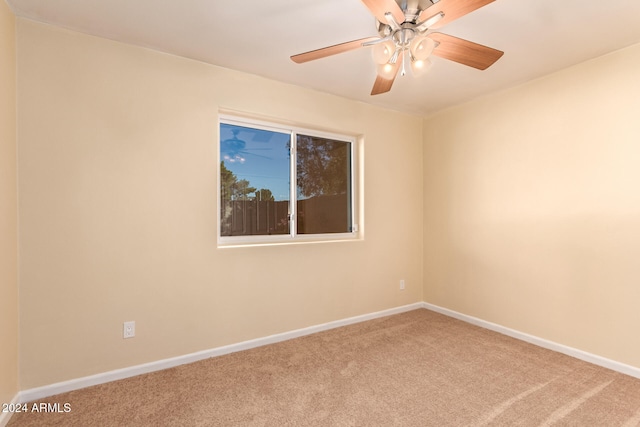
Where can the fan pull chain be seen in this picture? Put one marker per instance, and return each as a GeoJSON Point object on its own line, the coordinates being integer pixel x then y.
{"type": "Point", "coordinates": [403, 72]}
{"type": "Point", "coordinates": [404, 46]}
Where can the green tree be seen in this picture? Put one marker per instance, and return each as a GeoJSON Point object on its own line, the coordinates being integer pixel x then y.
{"type": "Point", "coordinates": [323, 166]}
{"type": "Point", "coordinates": [242, 190]}
{"type": "Point", "coordinates": [227, 182]}
{"type": "Point", "coordinates": [265, 195]}
{"type": "Point", "coordinates": [231, 188]}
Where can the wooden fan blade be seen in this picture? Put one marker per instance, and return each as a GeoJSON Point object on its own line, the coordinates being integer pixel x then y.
{"type": "Point", "coordinates": [464, 52]}
{"type": "Point", "coordinates": [452, 9]}
{"type": "Point", "coordinates": [380, 7]}
{"type": "Point", "coordinates": [330, 50]}
{"type": "Point", "coordinates": [383, 84]}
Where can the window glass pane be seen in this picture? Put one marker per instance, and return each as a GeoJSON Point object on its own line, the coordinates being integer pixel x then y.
{"type": "Point", "coordinates": [254, 181]}
{"type": "Point", "coordinates": [323, 185]}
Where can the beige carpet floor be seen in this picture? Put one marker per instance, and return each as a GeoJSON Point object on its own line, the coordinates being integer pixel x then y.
{"type": "Point", "coordinates": [413, 369]}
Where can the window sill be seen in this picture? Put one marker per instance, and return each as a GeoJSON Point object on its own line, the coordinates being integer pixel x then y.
{"type": "Point", "coordinates": [255, 241]}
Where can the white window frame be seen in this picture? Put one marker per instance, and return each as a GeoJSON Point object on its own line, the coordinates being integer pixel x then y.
{"type": "Point", "coordinates": [293, 236]}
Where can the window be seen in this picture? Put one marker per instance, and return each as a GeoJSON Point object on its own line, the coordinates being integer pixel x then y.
{"type": "Point", "coordinates": [279, 183]}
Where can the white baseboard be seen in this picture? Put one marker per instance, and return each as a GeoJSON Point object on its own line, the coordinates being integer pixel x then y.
{"type": "Point", "coordinates": [540, 342]}
{"type": "Point", "coordinates": [78, 383]}
{"type": "Point", "coordinates": [6, 416]}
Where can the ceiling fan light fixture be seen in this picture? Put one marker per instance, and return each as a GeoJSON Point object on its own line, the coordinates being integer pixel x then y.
{"type": "Point", "coordinates": [383, 52]}
{"type": "Point", "coordinates": [420, 67]}
{"type": "Point", "coordinates": [386, 70]}
{"type": "Point", "coordinates": [422, 47]}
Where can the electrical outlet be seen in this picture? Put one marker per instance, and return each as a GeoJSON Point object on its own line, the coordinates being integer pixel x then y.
{"type": "Point", "coordinates": [402, 285]}
{"type": "Point", "coordinates": [129, 330]}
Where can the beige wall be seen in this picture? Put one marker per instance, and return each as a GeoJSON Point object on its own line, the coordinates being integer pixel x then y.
{"type": "Point", "coordinates": [532, 207]}
{"type": "Point", "coordinates": [8, 209]}
{"type": "Point", "coordinates": [118, 210]}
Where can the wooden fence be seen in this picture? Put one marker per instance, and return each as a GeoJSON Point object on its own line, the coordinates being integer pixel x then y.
{"type": "Point", "coordinates": [315, 215]}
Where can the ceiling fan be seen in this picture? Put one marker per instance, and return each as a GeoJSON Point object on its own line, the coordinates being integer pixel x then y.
{"type": "Point", "coordinates": [406, 36]}
{"type": "Point", "coordinates": [235, 149]}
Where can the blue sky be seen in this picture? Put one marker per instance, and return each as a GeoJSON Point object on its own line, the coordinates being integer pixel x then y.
{"type": "Point", "coordinates": [259, 156]}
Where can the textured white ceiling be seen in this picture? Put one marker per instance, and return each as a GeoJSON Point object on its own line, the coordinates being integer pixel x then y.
{"type": "Point", "coordinates": [257, 36]}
